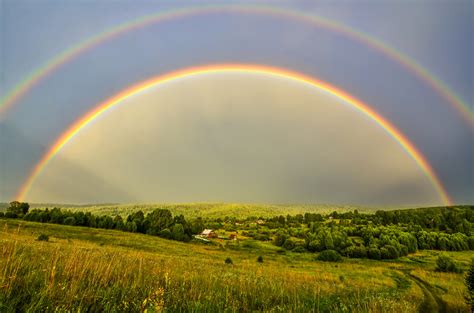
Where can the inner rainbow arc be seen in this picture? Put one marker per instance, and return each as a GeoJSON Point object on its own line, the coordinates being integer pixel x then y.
{"type": "Point", "coordinates": [362, 107]}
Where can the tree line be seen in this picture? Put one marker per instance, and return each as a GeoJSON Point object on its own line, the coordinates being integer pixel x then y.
{"type": "Point", "coordinates": [383, 235]}
{"type": "Point", "coordinates": [159, 222]}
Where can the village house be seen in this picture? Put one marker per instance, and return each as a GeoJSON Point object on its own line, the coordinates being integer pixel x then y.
{"type": "Point", "coordinates": [208, 233]}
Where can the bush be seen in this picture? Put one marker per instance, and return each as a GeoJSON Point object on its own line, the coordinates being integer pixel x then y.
{"type": "Point", "coordinates": [260, 259]}
{"type": "Point", "coordinates": [43, 237]}
{"type": "Point", "coordinates": [289, 244]}
{"type": "Point", "coordinates": [280, 238]}
{"type": "Point", "coordinates": [228, 261]}
{"type": "Point", "coordinates": [2, 214]}
{"type": "Point", "coordinates": [70, 221]}
{"type": "Point", "coordinates": [445, 264]}
{"type": "Point", "coordinates": [389, 252]}
{"type": "Point", "coordinates": [166, 233]}
{"type": "Point", "coordinates": [329, 256]}
{"type": "Point", "coordinates": [359, 252]}
{"type": "Point", "coordinates": [374, 253]}
{"type": "Point", "coordinates": [299, 249]}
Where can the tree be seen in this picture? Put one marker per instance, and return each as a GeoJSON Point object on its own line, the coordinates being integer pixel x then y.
{"type": "Point", "coordinates": [17, 208]}
{"type": "Point", "coordinates": [178, 233]}
{"type": "Point", "coordinates": [160, 219]}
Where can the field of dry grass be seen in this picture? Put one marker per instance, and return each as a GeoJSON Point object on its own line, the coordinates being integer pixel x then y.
{"type": "Point", "coordinates": [103, 270]}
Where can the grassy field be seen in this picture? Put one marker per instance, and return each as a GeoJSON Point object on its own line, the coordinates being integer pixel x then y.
{"type": "Point", "coordinates": [104, 270]}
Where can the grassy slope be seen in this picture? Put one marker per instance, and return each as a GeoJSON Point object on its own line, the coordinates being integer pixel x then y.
{"type": "Point", "coordinates": [92, 268]}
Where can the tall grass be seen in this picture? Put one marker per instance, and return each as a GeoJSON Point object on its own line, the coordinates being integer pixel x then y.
{"type": "Point", "coordinates": [83, 275]}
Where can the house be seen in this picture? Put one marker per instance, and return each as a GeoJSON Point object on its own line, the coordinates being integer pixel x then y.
{"type": "Point", "coordinates": [208, 233]}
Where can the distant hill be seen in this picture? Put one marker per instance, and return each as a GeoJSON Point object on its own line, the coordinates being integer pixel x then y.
{"type": "Point", "coordinates": [216, 210]}
{"type": "Point", "coordinates": [211, 210]}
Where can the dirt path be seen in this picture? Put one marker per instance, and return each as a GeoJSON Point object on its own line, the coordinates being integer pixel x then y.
{"type": "Point", "coordinates": [432, 301]}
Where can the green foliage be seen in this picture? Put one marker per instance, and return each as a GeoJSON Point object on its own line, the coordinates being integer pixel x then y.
{"type": "Point", "coordinates": [383, 235]}
{"type": "Point", "coordinates": [159, 222]}
{"type": "Point", "coordinates": [43, 237]}
{"type": "Point", "coordinates": [70, 221]}
{"type": "Point", "coordinates": [446, 264]}
{"type": "Point", "coordinates": [356, 252]}
{"type": "Point", "coordinates": [228, 260]}
{"type": "Point", "coordinates": [329, 256]}
{"type": "Point", "coordinates": [389, 252]}
{"type": "Point", "coordinates": [280, 238]}
{"type": "Point", "coordinates": [289, 244]}
{"type": "Point", "coordinates": [374, 253]}
{"type": "Point", "coordinates": [17, 209]}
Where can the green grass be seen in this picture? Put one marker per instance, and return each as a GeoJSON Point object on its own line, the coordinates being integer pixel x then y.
{"type": "Point", "coordinates": [95, 270]}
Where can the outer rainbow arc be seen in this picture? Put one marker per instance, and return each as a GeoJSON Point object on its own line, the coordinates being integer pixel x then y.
{"type": "Point", "coordinates": [249, 68]}
{"type": "Point", "coordinates": [410, 64]}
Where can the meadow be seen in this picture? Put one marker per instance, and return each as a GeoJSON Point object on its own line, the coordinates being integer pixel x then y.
{"type": "Point", "coordinates": [90, 269]}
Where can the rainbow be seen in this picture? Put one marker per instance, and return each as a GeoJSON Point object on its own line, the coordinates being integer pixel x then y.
{"type": "Point", "coordinates": [108, 104]}
{"type": "Point", "coordinates": [74, 51]}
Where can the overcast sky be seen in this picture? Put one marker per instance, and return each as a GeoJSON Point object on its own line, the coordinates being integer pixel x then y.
{"type": "Point", "coordinates": [366, 166]}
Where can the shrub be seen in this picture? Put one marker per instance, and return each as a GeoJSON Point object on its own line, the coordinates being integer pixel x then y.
{"type": "Point", "coordinates": [289, 244]}
{"type": "Point", "coordinates": [70, 221]}
{"type": "Point", "coordinates": [9, 214]}
{"type": "Point", "coordinates": [403, 250]}
{"type": "Point", "coordinates": [228, 261]}
{"type": "Point", "coordinates": [445, 264]}
{"type": "Point", "coordinates": [389, 252]}
{"type": "Point", "coordinates": [280, 238]}
{"type": "Point", "coordinates": [2, 214]}
{"type": "Point", "coordinates": [357, 252]}
{"type": "Point", "coordinates": [374, 253]}
{"type": "Point", "coordinates": [43, 237]}
{"type": "Point", "coordinates": [260, 259]}
{"type": "Point", "coordinates": [329, 256]}
{"type": "Point", "coordinates": [166, 233]}
{"type": "Point", "coordinates": [299, 249]}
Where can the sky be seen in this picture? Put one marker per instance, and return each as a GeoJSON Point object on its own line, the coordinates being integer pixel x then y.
{"type": "Point", "coordinates": [237, 137]}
